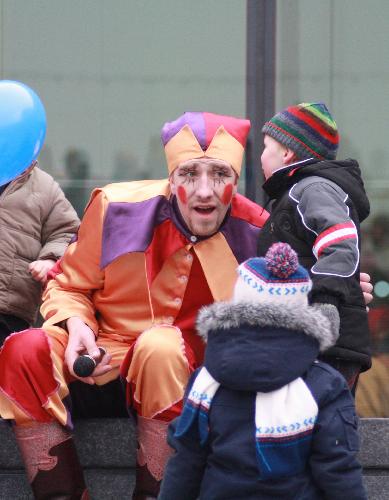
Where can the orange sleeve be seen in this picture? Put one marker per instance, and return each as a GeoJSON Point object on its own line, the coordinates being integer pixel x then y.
{"type": "Point", "coordinates": [71, 292]}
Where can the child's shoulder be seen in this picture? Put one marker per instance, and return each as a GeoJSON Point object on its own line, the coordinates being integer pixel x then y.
{"type": "Point", "coordinates": [312, 183]}
{"type": "Point", "coordinates": [324, 381]}
{"type": "Point", "coordinates": [40, 176]}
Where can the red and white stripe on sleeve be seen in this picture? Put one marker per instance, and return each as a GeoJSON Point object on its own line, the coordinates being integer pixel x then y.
{"type": "Point", "coordinates": [333, 235]}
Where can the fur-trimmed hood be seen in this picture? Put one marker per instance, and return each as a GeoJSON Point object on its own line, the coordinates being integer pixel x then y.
{"type": "Point", "coordinates": [262, 347]}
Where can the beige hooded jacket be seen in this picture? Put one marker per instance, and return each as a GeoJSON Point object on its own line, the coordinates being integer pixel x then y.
{"type": "Point", "coordinates": [36, 222]}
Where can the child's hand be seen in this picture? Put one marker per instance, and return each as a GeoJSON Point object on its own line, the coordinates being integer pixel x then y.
{"type": "Point", "coordinates": [367, 288]}
{"type": "Point", "coordinates": [39, 269]}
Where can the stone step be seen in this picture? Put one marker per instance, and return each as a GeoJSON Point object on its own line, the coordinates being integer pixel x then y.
{"type": "Point", "coordinates": [107, 452]}
{"type": "Point", "coordinates": [106, 448]}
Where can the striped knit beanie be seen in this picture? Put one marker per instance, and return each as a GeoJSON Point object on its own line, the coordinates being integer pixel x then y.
{"type": "Point", "coordinates": [277, 277]}
{"type": "Point", "coordinates": [308, 129]}
{"type": "Point", "coordinates": [199, 134]}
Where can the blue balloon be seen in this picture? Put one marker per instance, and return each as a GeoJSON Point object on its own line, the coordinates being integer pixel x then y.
{"type": "Point", "coordinates": [22, 129]}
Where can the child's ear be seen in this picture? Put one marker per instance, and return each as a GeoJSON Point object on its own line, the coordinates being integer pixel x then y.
{"type": "Point", "coordinates": [289, 156]}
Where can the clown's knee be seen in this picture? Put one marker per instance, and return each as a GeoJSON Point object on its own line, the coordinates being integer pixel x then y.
{"type": "Point", "coordinates": [158, 371]}
{"type": "Point", "coordinates": [161, 345]}
{"type": "Point", "coordinates": [24, 348]}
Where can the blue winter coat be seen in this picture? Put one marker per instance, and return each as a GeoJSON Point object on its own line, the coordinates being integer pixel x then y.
{"type": "Point", "coordinates": [257, 348]}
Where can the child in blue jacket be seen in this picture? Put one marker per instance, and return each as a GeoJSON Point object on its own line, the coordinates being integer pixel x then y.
{"type": "Point", "coordinates": [263, 418]}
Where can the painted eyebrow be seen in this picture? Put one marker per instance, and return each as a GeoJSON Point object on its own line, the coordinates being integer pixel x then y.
{"type": "Point", "coordinates": [221, 168]}
{"type": "Point", "coordinates": [187, 168]}
{"type": "Point", "coordinates": [195, 166]}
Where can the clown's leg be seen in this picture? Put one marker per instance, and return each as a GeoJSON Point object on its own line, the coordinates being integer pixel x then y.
{"type": "Point", "coordinates": [152, 455]}
{"type": "Point", "coordinates": [32, 386]}
{"type": "Point", "coordinates": [51, 461]}
{"type": "Point", "coordinates": [156, 369]}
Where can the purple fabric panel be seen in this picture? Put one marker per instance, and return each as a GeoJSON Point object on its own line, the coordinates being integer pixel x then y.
{"type": "Point", "coordinates": [129, 227]}
{"type": "Point", "coordinates": [73, 238]}
{"type": "Point", "coordinates": [196, 122]}
{"type": "Point", "coordinates": [242, 238]}
{"type": "Point", "coordinates": [68, 405]}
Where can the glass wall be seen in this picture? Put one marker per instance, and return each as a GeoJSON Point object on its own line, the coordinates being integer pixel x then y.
{"type": "Point", "coordinates": [111, 72]}
{"type": "Point", "coordinates": [338, 52]}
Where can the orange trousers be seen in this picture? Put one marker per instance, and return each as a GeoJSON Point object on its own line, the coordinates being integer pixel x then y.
{"type": "Point", "coordinates": [34, 380]}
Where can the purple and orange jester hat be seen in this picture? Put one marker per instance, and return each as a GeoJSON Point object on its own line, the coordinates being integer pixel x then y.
{"type": "Point", "coordinates": [197, 134]}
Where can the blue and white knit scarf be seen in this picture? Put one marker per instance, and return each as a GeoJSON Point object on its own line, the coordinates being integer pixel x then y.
{"type": "Point", "coordinates": [284, 422]}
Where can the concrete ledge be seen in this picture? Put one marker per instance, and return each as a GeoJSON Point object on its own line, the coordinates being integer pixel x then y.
{"type": "Point", "coordinates": [374, 454]}
{"type": "Point", "coordinates": [107, 453]}
{"type": "Point", "coordinates": [101, 443]}
{"type": "Point", "coordinates": [106, 449]}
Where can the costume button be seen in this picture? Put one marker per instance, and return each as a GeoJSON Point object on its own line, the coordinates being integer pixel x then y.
{"type": "Point", "coordinates": [177, 300]}
{"type": "Point", "coordinates": [183, 278]}
{"type": "Point", "coordinates": [193, 239]}
{"type": "Point", "coordinates": [189, 257]}
{"type": "Point", "coordinates": [170, 320]}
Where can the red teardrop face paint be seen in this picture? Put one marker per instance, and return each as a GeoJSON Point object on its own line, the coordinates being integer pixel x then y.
{"type": "Point", "coordinates": [227, 194]}
{"type": "Point", "coordinates": [181, 193]}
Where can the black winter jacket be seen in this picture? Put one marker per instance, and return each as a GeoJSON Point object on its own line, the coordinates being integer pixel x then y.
{"type": "Point", "coordinates": [318, 208]}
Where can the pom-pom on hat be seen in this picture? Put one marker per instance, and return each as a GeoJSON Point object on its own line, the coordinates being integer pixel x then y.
{"type": "Point", "coordinates": [277, 277]}
{"type": "Point", "coordinates": [196, 135]}
{"type": "Point", "coordinates": [308, 129]}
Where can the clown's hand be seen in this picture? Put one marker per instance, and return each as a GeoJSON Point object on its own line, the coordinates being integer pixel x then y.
{"type": "Point", "coordinates": [82, 341]}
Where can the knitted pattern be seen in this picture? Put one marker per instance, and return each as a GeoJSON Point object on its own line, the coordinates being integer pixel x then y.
{"type": "Point", "coordinates": [284, 423]}
{"type": "Point", "coordinates": [281, 260]}
{"type": "Point", "coordinates": [308, 129]}
{"type": "Point", "coordinates": [276, 278]}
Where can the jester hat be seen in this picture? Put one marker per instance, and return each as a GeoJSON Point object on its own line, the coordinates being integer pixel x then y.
{"type": "Point", "coordinates": [198, 135]}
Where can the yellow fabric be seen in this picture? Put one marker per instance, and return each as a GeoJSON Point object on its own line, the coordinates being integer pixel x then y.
{"type": "Point", "coordinates": [225, 147]}
{"type": "Point", "coordinates": [184, 146]}
{"type": "Point", "coordinates": [159, 356]}
{"type": "Point", "coordinates": [70, 294]}
{"type": "Point", "coordinates": [134, 191]}
{"type": "Point", "coordinates": [219, 265]}
{"type": "Point", "coordinates": [10, 411]}
{"type": "Point", "coordinates": [168, 288]}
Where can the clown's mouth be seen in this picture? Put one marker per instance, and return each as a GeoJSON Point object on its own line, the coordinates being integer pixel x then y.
{"type": "Point", "coordinates": [204, 210]}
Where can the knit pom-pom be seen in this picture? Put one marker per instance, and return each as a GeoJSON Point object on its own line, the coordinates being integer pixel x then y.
{"type": "Point", "coordinates": [281, 260]}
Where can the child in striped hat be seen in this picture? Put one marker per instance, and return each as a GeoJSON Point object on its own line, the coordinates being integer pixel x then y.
{"type": "Point", "coordinates": [263, 418]}
{"type": "Point", "coordinates": [319, 203]}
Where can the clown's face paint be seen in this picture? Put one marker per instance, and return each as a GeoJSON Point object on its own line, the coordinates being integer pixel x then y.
{"type": "Point", "coordinates": [181, 193]}
{"type": "Point", "coordinates": [204, 188]}
{"type": "Point", "coordinates": [227, 194]}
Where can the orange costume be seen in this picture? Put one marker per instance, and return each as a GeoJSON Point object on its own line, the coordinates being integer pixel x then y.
{"type": "Point", "coordinates": [137, 277]}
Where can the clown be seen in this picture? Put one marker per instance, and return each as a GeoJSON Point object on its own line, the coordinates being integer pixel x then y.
{"type": "Point", "coordinates": [148, 255]}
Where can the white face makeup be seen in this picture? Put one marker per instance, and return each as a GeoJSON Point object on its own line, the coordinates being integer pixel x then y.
{"type": "Point", "coordinates": [204, 188]}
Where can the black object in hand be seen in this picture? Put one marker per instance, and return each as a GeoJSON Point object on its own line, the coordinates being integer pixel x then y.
{"type": "Point", "coordinates": [85, 364]}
